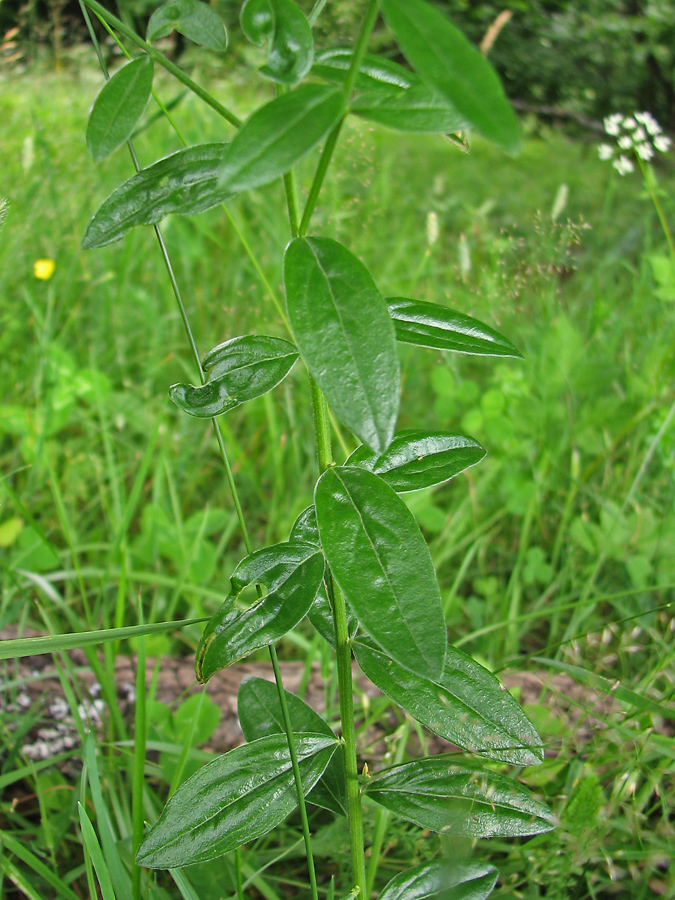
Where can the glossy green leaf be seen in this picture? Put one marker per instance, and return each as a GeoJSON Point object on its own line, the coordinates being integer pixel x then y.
{"type": "Point", "coordinates": [260, 714]}
{"type": "Point", "coordinates": [442, 880]}
{"type": "Point", "coordinates": [118, 107]}
{"type": "Point", "coordinates": [305, 529]}
{"type": "Point", "coordinates": [234, 799]}
{"type": "Point", "coordinates": [449, 63]}
{"type": "Point", "coordinates": [419, 459]}
{"type": "Point", "coordinates": [292, 574]}
{"type": "Point", "coordinates": [257, 21]}
{"type": "Point", "coordinates": [278, 135]}
{"type": "Point", "coordinates": [240, 369]}
{"type": "Point", "coordinates": [185, 183]}
{"type": "Point", "coordinates": [418, 110]}
{"type": "Point", "coordinates": [192, 18]}
{"type": "Point", "coordinates": [345, 336]}
{"type": "Point", "coordinates": [466, 704]}
{"type": "Point", "coordinates": [439, 328]}
{"type": "Point", "coordinates": [438, 794]}
{"type": "Point", "coordinates": [381, 562]}
{"type": "Point", "coordinates": [375, 73]}
{"type": "Point", "coordinates": [284, 25]}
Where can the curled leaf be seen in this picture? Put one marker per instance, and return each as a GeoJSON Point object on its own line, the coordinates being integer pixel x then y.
{"type": "Point", "coordinates": [240, 369]}
{"type": "Point", "coordinates": [192, 18]}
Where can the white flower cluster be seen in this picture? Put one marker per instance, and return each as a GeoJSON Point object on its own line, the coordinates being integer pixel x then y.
{"type": "Point", "coordinates": [639, 132]}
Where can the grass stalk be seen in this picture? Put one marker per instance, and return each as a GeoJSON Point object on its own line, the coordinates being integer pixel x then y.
{"type": "Point", "coordinates": [139, 762]}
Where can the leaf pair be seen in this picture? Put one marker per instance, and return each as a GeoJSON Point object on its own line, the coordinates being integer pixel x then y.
{"type": "Point", "coordinates": [123, 98]}
{"type": "Point", "coordinates": [282, 25]}
{"type": "Point", "coordinates": [240, 369]}
{"type": "Point", "coordinates": [391, 95]}
{"type": "Point", "coordinates": [292, 574]}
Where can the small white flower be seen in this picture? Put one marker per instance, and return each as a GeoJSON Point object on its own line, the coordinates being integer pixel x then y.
{"type": "Point", "coordinates": [662, 143]}
{"type": "Point", "coordinates": [629, 122]}
{"type": "Point", "coordinates": [642, 117]}
{"type": "Point", "coordinates": [612, 124]}
{"type": "Point", "coordinates": [625, 142]}
{"type": "Point", "coordinates": [644, 151]}
{"type": "Point", "coordinates": [640, 134]}
{"type": "Point", "coordinates": [652, 126]}
{"type": "Point", "coordinates": [623, 165]}
{"type": "Point", "coordinates": [605, 151]}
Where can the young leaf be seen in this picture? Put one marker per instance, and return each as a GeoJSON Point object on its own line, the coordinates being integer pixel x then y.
{"type": "Point", "coordinates": [419, 459]}
{"type": "Point", "coordinates": [234, 799]}
{"type": "Point", "coordinates": [345, 336]}
{"type": "Point", "coordinates": [260, 714]}
{"type": "Point", "coordinates": [193, 19]}
{"type": "Point", "coordinates": [292, 574]}
{"type": "Point", "coordinates": [291, 50]}
{"type": "Point", "coordinates": [439, 328]}
{"type": "Point", "coordinates": [278, 135]}
{"type": "Point", "coordinates": [466, 704]}
{"type": "Point", "coordinates": [320, 614]}
{"type": "Point", "coordinates": [257, 21]}
{"type": "Point", "coordinates": [442, 880]}
{"type": "Point", "coordinates": [241, 369]}
{"type": "Point", "coordinates": [375, 72]}
{"type": "Point", "coordinates": [380, 561]}
{"type": "Point", "coordinates": [96, 854]}
{"type": "Point", "coordinates": [419, 110]}
{"type": "Point", "coordinates": [446, 61]}
{"type": "Point", "coordinates": [438, 794]}
{"type": "Point", "coordinates": [185, 183]}
{"type": "Point", "coordinates": [118, 107]}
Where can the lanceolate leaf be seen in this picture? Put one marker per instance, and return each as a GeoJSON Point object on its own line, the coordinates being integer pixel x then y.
{"type": "Point", "coordinates": [438, 794]}
{"type": "Point", "coordinates": [260, 714]}
{"type": "Point", "coordinates": [375, 73]}
{"type": "Point", "coordinates": [430, 325]}
{"type": "Point", "coordinates": [446, 61]}
{"type": "Point", "coordinates": [321, 612]}
{"type": "Point", "coordinates": [118, 107]}
{"type": "Point", "coordinates": [192, 18]}
{"type": "Point", "coordinates": [466, 704]}
{"type": "Point", "coordinates": [234, 799]}
{"type": "Point", "coordinates": [419, 459]}
{"type": "Point", "coordinates": [281, 22]}
{"type": "Point", "coordinates": [241, 369]}
{"type": "Point", "coordinates": [345, 336]}
{"type": "Point", "coordinates": [292, 574]}
{"type": "Point", "coordinates": [278, 135]}
{"type": "Point", "coordinates": [379, 558]}
{"type": "Point", "coordinates": [442, 880]}
{"type": "Point", "coordinates": [185, 183]}
{"type": "Point", "coordinates": [418, 110]}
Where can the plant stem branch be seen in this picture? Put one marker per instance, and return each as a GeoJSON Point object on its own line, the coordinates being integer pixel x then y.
{"type": "Point", "coordinates": [649, 179]}
{"type": "Point", "coordinates": [235, 499]}
{"type": "Point", "coordinates": [331, 142]}
{"type": "Point", "coordinates": [316, 12]}
{"type": "Point", "coordinates": [158, 57]}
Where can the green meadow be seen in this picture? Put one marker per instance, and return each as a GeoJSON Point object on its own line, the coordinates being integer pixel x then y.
{"type": "Point", "coordinates": [555, 554]}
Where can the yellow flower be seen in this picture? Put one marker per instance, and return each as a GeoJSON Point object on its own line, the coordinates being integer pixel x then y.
{"type": "Point", "coordinates": [44, 269]}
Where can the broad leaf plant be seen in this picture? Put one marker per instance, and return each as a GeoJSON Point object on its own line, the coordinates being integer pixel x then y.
{"type": "Point", "coordinates": [355, 563]}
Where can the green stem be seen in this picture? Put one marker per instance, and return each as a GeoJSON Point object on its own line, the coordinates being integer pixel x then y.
{"type": "Point", "coordinates": [324, 449]}
{"type": "Point", "coordinates": [296, 771]}
{"type": "Point", "coordinates": [139, 761]}
{"type": "Point", "coordinates": [382, 818]}
{"type": "Point", "coordinates": [158, 57]}
{"type": "Point", "coordinates": [344, 667]}
{"type": "Point", "coordinates": [235, 498]}
{"type": "Point", "coordinates": [350, 81]}
{"type": "Point", "coordinates": [648, 176]}
{"type": "Point", "coordinates": [316, 12]}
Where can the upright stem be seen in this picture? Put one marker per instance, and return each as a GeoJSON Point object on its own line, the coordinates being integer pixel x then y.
{"type": "Point", "coordinates": [129, 33]}
{"type": "Point", "coordinates": [360, 49]}
{"type": "Point", "coordinates": [649, 178]}
{"type": "Point", "coordinates": [235, 498]}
